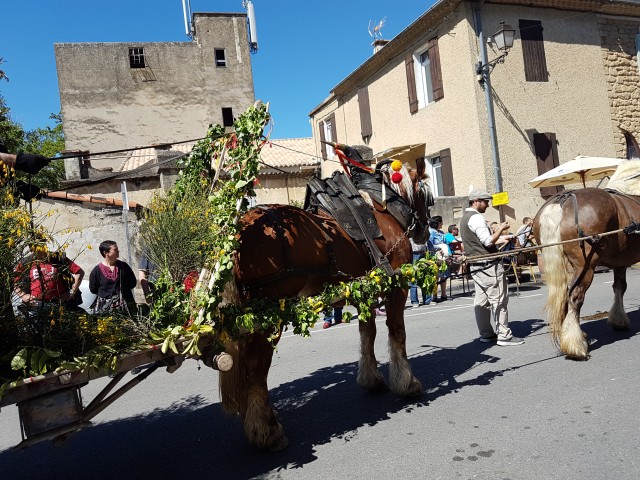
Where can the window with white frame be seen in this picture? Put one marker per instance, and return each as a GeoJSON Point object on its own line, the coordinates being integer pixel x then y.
{"type": "Point", "coordinates": [435, 172]}
{"type": "Point", "coordinates": [328, 136]}
{"type": "Point", "coordinates": [424, 83]}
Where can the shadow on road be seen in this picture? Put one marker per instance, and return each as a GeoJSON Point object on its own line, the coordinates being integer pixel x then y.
{"type": "Point", "coordinates": [192, 438]}
{"type": "Point", "coordinates": [599, 332]}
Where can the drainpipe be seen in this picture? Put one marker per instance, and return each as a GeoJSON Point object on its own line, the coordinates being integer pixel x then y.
{"type": "Point", "coordinates": [495, 154]}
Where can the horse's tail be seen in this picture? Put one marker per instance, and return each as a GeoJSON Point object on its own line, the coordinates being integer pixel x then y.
{"type": "Point", "coordinates": [556, 267]}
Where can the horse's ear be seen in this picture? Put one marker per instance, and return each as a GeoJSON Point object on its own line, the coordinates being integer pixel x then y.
{"type": "Point", "coordinates": [420, 167]}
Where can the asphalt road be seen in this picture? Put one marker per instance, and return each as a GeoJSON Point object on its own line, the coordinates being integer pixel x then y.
{"type": "Point", "coordinates": [490, 412]}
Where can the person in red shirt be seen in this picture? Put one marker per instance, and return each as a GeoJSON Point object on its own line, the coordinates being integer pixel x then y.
{"type": "Point", "coordinates": [50, 278]}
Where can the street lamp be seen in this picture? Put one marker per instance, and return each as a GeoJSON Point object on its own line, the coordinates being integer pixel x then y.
{"type": "Point", "coordinates": [503, 39]}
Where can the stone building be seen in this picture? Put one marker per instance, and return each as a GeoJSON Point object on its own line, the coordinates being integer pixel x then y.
{"type": "Point", "coordinates": [118, 95]}
{"type": "Point", "coordinates": [568, 87]}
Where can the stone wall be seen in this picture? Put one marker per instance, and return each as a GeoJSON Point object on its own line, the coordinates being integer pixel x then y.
{"type": "Point", "coordinates": [619, 54]}
{"type": "Point", "coordinates": [82, 227]}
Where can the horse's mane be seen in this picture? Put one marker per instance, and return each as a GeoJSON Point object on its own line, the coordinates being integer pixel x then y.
{"type": "Point", "coordinates": [626, 178]}
{"type": "Point", "coordinates": [404, 188]}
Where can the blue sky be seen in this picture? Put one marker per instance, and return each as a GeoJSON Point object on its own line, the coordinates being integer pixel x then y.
{"type": "Point", "coordinates": [305, 47]}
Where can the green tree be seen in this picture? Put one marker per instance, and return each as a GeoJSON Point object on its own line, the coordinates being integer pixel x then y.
{"type": "Point", "coordinates": [11, 133]}
{"type": "Point", "coordinates": [3, 75]}
{"type": "Point", "coordinates": [48, 142]}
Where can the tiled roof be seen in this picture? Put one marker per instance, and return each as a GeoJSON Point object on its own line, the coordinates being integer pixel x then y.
{"type": "Point", "coordinates": [279, 153]}
{"type": "Point", "coordinates": [138, 158]}
{"type": "Point", "coordinates": [290, 152]}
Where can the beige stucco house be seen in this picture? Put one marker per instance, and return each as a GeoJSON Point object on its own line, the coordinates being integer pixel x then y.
{"type": "Point", "coordinates": [568, 87]}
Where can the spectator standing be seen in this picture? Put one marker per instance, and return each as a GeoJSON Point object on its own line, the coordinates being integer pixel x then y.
{"type": "Point", "coordinates": [147, 275]}
{"type": "Point", "coordinates": [112, 280]}
{"type": "Point", "coordinates": [336, 316]}
{"type": "Point", "coordinates": [437, 238]}
{"type": "Point", "coordinates": [491, 292]}
{"type": "Point", "coordinates": [419, 251]}
{"type": "Point", "coordinates": [51, 280]}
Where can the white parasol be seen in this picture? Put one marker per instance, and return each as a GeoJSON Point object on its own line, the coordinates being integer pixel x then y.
{"type": "Point", "coordinates": [579, 170]}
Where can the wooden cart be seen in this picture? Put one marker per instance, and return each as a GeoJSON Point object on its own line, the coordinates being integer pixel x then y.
{"type": "Point", "coordinates": [50, 406]}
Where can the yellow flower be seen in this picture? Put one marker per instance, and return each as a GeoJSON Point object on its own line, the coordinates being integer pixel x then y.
{"type": "Point", "coordinates": [282, 303]}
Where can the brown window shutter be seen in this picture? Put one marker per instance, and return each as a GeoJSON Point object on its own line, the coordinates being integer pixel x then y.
{"type": "Point", "coordinates": [411, 84]}
{"type": "Point", "coordinates": [323, 148]}
{"type": "Point", "coordinates": [365, 112]}
{"type": "Point", "coordinates": [436, 73]}
{"type": "Point", "coordinates": [546, 150]}
{"type": "Point", "coordinates": [535, 61]}
{"type": "Point", "coordinates": [334, 133]}
{"type": "Point", "coordinates": [447, 173]}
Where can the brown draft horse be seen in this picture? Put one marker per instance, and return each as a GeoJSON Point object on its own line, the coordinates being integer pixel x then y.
{"type": "Point", "coordinates": [281, 238]}
{"type": "Point", "coordinates": [569, 268]}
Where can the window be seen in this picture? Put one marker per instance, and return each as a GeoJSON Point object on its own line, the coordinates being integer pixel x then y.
{"type": "Point", "coordinates": [535, 61]}
{"type": "Point", "coordinates": [227, 116]}
{"type": "Point", "coordinates": [136, 57]}
{"type": "Point", "coordinates": [327, 129]}
{"type": "Point", "coordinates": [436, 175]}
{"type": "Point", "coordinates": [441, 173]}
{"type": "Point", "coordinates": [328, 135]}
{"type": "Point", "coordinates": [424, 77]}
{"type": "Point", "coordinates": [425, 87]}
{"type": "Point", "coordinates": [546, 150]}
{"type": "Point", "coordinates": [365, 113]}
{"type": "Point", "coordinates": [221, 60]}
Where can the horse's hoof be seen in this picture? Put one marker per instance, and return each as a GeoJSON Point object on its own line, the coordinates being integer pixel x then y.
{"type": "Point", "coordinates": [575, 350]}
{"type": "Point", "coordinates": [577, 358]}
{"type": "Point", "coordinates": [415, 389]}
{"type": "Point", "coordinates": [280, 444]}
{"type": "Point", "coordinates": [620, 328]}
{"type": "Point", "coordinates": [378, 388]}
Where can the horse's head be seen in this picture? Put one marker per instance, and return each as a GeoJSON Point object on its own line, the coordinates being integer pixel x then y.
{"type": "Point", "coordinates": [414, 190]}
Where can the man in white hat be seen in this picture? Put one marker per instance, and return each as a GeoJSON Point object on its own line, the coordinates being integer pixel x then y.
{"type": "Point", "coordinates": [492, 293]}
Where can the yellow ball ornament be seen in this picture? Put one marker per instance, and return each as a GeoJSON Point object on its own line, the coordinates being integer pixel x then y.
{"type": "Point", "coordinates": [396, 165]}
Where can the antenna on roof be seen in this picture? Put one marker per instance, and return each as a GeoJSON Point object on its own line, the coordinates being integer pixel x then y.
{"type": "Point", "coordinates": [376, 30]}
{"type": "Point", "coordinates": [186, 9]}
{"type": "Point", "coordinates": [251, 20]}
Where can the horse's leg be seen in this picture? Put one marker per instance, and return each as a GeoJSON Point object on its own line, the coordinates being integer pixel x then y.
{"type": "Point", "coordinates": [261, 425]}
{"type": "Point", "coordinates": [618, 318]}
{"type": "Point", "coordinates": [401, 379]}
{"type": "Point", "coordinates": [573, 342]}
{"type": "Point", "coordinates": [369, 376]}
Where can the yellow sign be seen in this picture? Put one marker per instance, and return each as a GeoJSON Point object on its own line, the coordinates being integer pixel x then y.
{"type": "Point", "coordinates": [500, 198]}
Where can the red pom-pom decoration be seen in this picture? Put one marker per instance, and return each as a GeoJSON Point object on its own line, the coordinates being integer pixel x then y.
{"type": "Point", "coordinates": [396, 177]}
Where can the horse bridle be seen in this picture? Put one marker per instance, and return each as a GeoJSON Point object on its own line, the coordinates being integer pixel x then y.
{"type": "Point", "coordinates": [416, 221]}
